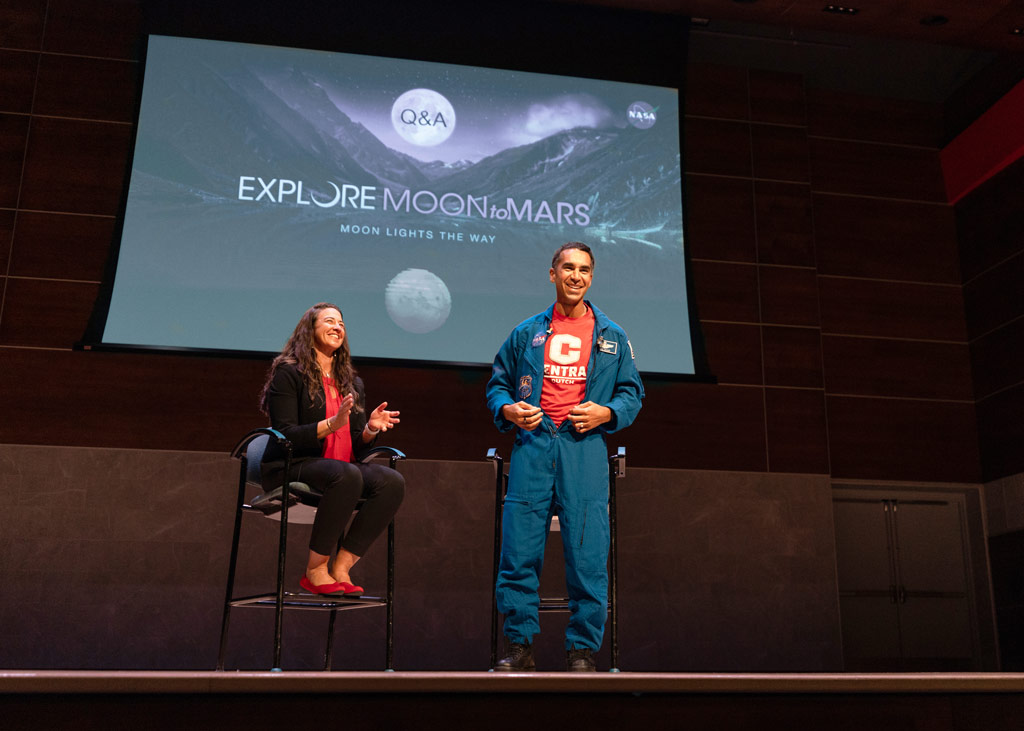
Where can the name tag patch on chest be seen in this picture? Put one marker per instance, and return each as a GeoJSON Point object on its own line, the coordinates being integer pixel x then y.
{"type": "Point", "coordinates": [608, 346]}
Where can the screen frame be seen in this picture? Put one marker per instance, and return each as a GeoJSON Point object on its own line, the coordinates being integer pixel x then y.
{"type": "Point", "coordinates": [652, 50]}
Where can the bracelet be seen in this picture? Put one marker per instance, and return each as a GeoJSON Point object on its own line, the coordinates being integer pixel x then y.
{"type": "Point", "coordinates": [330, 429]}
{"type": "Point", "coordinates": [373, 432]}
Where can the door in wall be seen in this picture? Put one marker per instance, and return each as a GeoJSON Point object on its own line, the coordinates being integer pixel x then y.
{"type": "Point", "coordinates": [904, 581]}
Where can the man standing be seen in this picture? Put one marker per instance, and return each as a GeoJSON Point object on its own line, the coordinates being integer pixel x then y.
{"type": "Point", "coordinates": [563, 378]}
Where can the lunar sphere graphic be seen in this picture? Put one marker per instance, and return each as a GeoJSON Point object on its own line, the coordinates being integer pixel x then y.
{"type": "Point", "coordinates": [423, 117]}
{"type": "Point", "coordinates": [418, 301]}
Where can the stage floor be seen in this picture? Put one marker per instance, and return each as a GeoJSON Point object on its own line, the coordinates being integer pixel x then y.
{"type": "Point", "coordinates": [244, 700]}
{"type": "Point", "coordinates": [232, 681]}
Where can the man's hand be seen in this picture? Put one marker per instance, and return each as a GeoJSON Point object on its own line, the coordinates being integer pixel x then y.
{"type": "Point", "coordinates": [588, 415]}
{"type": "Point", "coordinates": [522, 415]}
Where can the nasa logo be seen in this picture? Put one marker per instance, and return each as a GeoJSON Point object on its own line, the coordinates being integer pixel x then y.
{"type": "Point", "coordinates": [641, 115]}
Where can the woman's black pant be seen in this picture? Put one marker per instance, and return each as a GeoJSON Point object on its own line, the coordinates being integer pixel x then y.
{"type": "Point", "coordinates": [341, 485]}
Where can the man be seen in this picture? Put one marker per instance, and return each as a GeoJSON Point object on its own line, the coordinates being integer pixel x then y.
{"type": "Point", "coordinates": [563, 379]}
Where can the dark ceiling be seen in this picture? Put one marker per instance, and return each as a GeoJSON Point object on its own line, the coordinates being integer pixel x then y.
{"type": "Point", "coordinates": [970, 24]}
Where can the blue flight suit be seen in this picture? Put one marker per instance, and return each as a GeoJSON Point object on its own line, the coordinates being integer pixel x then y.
{"type": "Point", "coordinates": [559, 471]}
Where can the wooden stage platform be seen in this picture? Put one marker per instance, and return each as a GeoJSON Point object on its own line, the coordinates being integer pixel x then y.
{"type": "Point", "coordinates": [481, 700]}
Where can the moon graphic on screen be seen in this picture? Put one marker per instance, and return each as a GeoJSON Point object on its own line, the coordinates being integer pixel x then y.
{"type": "Point", "coordinates": [423, 117]}
{"type": "Point", "coordinates": [418, 301]}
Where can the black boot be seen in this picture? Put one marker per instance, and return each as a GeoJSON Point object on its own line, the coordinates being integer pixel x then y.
{"type": "Point", "coordinates": [518, 656]}
{"type": "Point", "coordinates": [580, 660]}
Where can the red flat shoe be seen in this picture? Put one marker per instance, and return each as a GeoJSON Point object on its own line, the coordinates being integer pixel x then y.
{"type": "Point", "coordinates": [332, 589]}
{"type": "Point", "coordinates": [351, 589]}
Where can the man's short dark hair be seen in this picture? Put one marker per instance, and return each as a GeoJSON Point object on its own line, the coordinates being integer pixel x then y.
{"type": "Point", "coordinates": [572, 245]}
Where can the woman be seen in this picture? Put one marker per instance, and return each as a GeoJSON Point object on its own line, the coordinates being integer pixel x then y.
{"type": "Point", "coordinates": [315, 399]}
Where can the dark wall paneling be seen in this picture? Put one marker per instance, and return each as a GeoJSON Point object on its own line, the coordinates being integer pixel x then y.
{"type": "Point", "coordinates": [988, 297]}
{"type": "Point", "coordinates": [792, 356]}
{"type": "Point", "coordinates": [717, 91]}
{"type": "Point", "coordinates": [726, 291]}
{"type": "Point", "coordinates": [990, 221]}
{"type": "Point", "coordinates": [717, 147]}
{"type": "Point", "coordinates": [902, 439]}
{"type": "Point", "coordinates": [1001, 430]}
{"type": "Point", "coordinates": [720, 218]}
{"type": "Point", "coordinates": [128, 400]}
{"type": "Point", "coordinates": [998, 358]}
{"type": "Point", "coordinates": [45, 313]}
{"type": "Point", "coordinates": [74, 166]}
{"type": "Point", "coordinates": [796, 424]}
{"type": "Point", "coordinates": [784, 227]}
{"type": "Point", "coordinates": [17, 80]}
{"type": "Point", "coordinates": [873, 119]}
{"type": "Point", "coordinates": [885, 239]}
{"type": "Point", "coordinates": [886, 171]}
{"type": "Point", "coordinates": [6, 234]}
{"type": "Point", "coordinates": [61, 246]}
{"type": "Point", "coordinates": [789, 296]}
{"type": "Point", "coordinates": [708, 427]}
{"type": "Point", "coordinates": [779, 153]}
{"type": "Point", "coordinates": [734, 352]}
{"type": "Point", "coordinates": [110, 29]}
{"type": "Point", "coordinates": [777, 98]}
{"type": "Point", "coordinates": [904, 368]}
{"type": "Point", "coordinates": [891, 309]}
{"type": "Point", "coordinates": [21, 24]}
{"type": "Point", "coordinates": [89, 88]}
{"type": "Point", "coordinates": [13, 134]}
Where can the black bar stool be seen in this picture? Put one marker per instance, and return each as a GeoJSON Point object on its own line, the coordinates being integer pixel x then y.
{"type": "Point", "coordinates": [275, 504]}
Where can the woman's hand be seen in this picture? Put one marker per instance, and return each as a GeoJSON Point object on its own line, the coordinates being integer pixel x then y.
{"type": "Point", "coordinates": [340, 419]}
{"type": "Point", "coordinates": [380, 419]}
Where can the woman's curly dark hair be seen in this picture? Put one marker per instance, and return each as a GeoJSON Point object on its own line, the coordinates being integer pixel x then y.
{"type": "Point", "coordinates": [299, 351]}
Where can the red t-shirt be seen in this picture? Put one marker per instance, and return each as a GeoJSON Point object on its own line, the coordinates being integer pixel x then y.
{"type": "Point", "coordinates": [566, 355]}
{"type": "Point", "coordinates": [338, 444]}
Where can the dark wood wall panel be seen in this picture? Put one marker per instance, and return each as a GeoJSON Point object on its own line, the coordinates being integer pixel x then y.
{"type": "Point", "coordinates": [720, 218]}
{"type": "Point", "coordinates": [792, 356]}
{"type": "Point", "coordinates": [903, 439]}
{"type": "Point", "coordinates": [988, 297]}
{"type": "Point", "coordinates": [797, 434]}
{"type": "Point", "coordinates": [990, 221]}
{"type": "Point", "coordinates": [717, 147]}
{"type": "Point", "coordinates": [17, 80]}
{"type": "Point", "coordinates": [13, 133]}
{"type": "Point", "coordinates": [61, 246]}
{"type": "Point", "coordinates": [717, 91]}
{"type": "Point", "coordinates": [726, 291]}
{"type": "Point", "coordinates": [785, 233]}
{"type": "Point", "coordinates": [734, 352]}
{"type": "Point", "coordinates": [788, 296]}
{"type": "Point", "coordinates": [777, 98]}
{"type": "Point", "coordinates": [875, 119]}
{"type": "Point", "coordinates": [998, 358]}
{"type": "Point", "coordinates": [90, 88]}
{"type": "Point", "coordinates": [108, 29]}
{"type": "Point", "coordinates": [884, 171]}
{"type": "Point", "coordinates": [891, 309]}
{"type": "Point", "coordinates": [21, 23]}
{"type": "Point", "coordinates": [74, 166]}
{"type": "Point", "coordinates": [911, 369]}
{"type": "Point", "coordinates": [708, 427]}
{"type": "Point", "coordinates": [45, 313]}
{"type": "Point", "coordinates": [1001, 431]}
{"type": "Point", "coordinates": [779, 153]}
{"type": "Point", "coordinates": [885, 239]}
{"type": "Point", "coordinates": [6, 234]}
